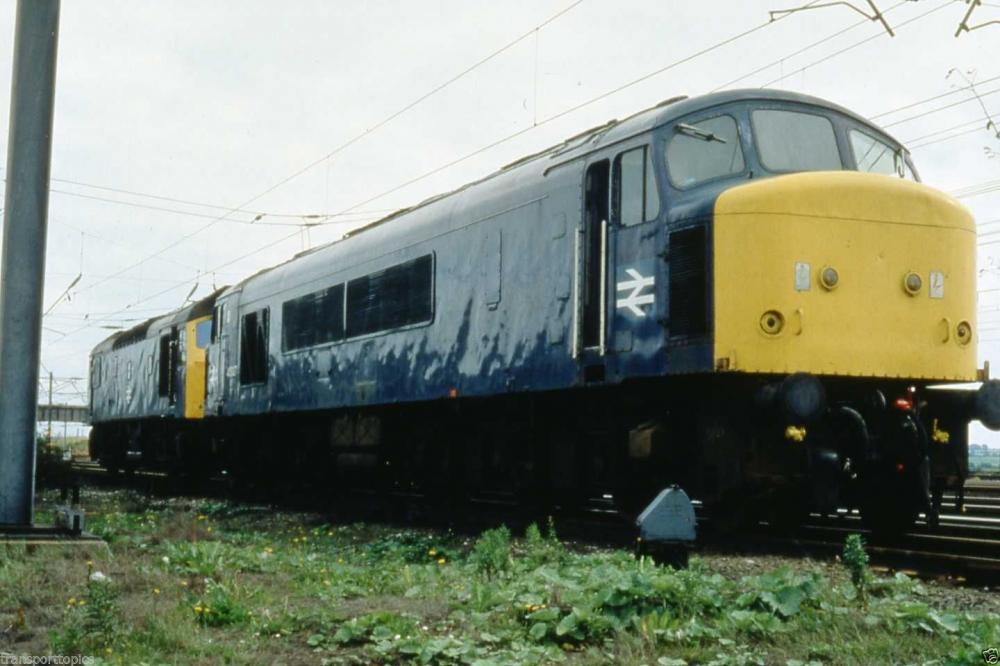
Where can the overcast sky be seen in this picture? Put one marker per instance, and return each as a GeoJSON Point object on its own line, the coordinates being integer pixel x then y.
{"type": "Point", "coordinates": [217, 102]}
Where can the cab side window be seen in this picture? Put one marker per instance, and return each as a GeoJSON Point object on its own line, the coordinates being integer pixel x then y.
{"type": "Point", "coordinates": [636, 199]}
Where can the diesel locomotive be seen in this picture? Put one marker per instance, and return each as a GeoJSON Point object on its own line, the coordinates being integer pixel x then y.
{"type": "Point", "coordinates": [748, 293]}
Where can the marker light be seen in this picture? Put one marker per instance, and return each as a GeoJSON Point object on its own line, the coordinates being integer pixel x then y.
{"type": "Point", "coordinates": [912, 283]}
{"type": "Point", "coordinates": [903, 404]}
{"type": "Point", "coordinates": [829, 277]}
{"type": "Point", "coordinates": [963, 333]}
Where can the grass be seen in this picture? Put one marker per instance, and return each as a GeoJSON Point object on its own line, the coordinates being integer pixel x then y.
{"type": "Point", "coordinates": [199, 582]}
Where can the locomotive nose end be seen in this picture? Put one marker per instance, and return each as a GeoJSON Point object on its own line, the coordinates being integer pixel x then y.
{"type": "Point", "coordinates": [986, 404]}
{"type": "Point", "coordinates": [823, 246]}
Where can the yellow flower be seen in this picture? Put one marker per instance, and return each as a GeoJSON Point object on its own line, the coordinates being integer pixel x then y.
{"type": "Point", "coordinates": [202, 516]}
{"type": "Point", "coordinates": [184, 583]}
{"type": "Point", "coordinates": [269, 550]}
{"type": "Point", "coordinates": [432, 552]}
{"type": "Point", "coordinates": [441, 561]}
{"type": "Point", "coordinates": [156, 590]}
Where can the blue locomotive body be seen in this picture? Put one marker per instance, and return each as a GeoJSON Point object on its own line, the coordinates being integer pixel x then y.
{"type": "Point", "coordinates": [549, 329]}
{"type": "Point", "coordinates": [498, 266]}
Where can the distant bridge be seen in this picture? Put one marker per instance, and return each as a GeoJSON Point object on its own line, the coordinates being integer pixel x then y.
{"type": "Point", "coordinates": [64, 413]}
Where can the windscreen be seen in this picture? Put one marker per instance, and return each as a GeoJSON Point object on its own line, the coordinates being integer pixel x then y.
{"type": "Point", "coordinates": [704, 150]}
{"type": "Point", "coordinates": [795, 141]}
{"type": "Point", "coordinates": [875, 156]}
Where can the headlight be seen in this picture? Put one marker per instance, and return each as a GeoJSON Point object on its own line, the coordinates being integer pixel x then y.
{"type": "Point", "coordinates": [771, 322]}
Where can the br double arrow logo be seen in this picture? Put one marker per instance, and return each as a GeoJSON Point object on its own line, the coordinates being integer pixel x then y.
{"type": "Point", "coordinates": [635, 297]}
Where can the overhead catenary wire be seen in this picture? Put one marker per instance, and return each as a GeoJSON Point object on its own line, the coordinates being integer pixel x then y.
{"type": "Point", "coordinates": [478, 151]}
{"type": "Point", "coordinates": [950, 137]}
{"type": "Point", "coordinates": [857, 44]}
{"type": "Point", "coordinates": [933, 98]}
{"type": "Point", "coordinates": [977, 189]}
{"type": "Point", "coordinates": [187, 202]}
{"type": "Point", "coordinates": [876, 16]}
{"type": "Point", "coordinates": [561, 114]}
{"type": "Point", "coordinates": [942, 108]}
{"type": "Point", "coordinates": [800, 51]}
{"type": "Point", "coordinates": [201, 204]}
{"type": "Point", "coordinates": [307, 219]}
{"type": "Point", "coordinates": [338, 149]}
{"type": "Point", "coordinates": [978, 121]}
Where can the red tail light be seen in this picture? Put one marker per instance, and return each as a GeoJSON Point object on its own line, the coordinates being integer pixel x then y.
{"type": "Point", "coordinates": [903, 404]}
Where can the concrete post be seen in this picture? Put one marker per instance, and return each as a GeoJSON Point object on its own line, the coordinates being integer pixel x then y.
{"type": "Point", "coordinates": [22, 267]}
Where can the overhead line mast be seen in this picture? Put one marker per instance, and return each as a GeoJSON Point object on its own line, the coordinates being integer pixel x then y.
{"type": "Point", "coordinates": [22, 271]}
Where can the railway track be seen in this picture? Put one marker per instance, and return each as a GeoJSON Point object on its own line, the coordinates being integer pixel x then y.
{"type": "Point", "coordinates": [964, 545]}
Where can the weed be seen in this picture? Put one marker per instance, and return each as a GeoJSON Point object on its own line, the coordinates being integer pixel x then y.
{"type": "Point", "coordinates": [856, 560]}
{"type": "Point", "coordinates": [93, 621]}
{"type": "Point", "coordinates": [206, 559]}
{"type": "Point", "coordinates": [279, 587]}
{"type": "Point", "coordinates": [219, 607]}
{"type": "Point", "coordinates": [412, 548]}
{"type": "Point", "coordinates": [540, 549]}
{"type": "Point", "coordinates": [491, 554]}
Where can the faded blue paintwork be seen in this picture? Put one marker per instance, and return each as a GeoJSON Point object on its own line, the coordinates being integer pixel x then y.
{"type": "Point", "coordinates": [507, 265]}
{"type": "Point", "coordinates": [127, 383]}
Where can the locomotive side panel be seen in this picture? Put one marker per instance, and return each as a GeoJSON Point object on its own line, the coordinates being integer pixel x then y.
{"type": "Point", "coordinates": [499, 273]}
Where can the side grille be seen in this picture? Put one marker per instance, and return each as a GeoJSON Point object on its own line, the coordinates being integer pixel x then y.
{"type": "Point", "coordinates": [688, 284]}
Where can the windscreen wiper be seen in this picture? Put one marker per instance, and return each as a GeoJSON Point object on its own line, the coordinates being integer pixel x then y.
{"type": "Point", "coordinates": [698, 133]}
